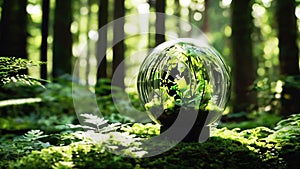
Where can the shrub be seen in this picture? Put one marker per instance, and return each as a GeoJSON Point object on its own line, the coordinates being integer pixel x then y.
{"type": "Point", "coordinates": [11, 70]}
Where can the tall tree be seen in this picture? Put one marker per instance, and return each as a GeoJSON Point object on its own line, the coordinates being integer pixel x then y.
{"type": "Point", "coordinates": [102, 40]}
{"type": "Point", "coordinates": [178, 14]}
{"type": "Point", "coordinates": [243, 64]}
{"type": "Point", "coordinates": [88, 26]}
{"type": "Point", "coordinates": [13, 29]}
{"type": "Point", "coordinates": [118, 49]}
{"type": "Point", "coordinates": [45, 32]}
{"type": "Point", "coordinates": [205, 25]}
{"type": "Point", "coordinates": [62, 38]}
{"type": "Point", "coordinates": [160, 6]}
{"type": "Point", "coordinates": [288, 54]}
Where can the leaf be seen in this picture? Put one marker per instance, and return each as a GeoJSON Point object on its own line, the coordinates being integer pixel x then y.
{"type": "Point", "coordinates": [182, 85]}
{"type": "Point", "coordinates": [93, 119]}
{"type": "Point", "coordinates": [34, 135]}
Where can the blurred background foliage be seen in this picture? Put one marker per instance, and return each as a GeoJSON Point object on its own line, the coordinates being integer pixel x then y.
{"type": "Point", "coordinates": [41, 40]}
{"type": "Point", "coordinates": [60, 34]}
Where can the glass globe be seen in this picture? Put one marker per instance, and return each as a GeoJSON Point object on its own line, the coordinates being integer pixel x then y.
{"type": "Point", "coordinates": [181, 76]}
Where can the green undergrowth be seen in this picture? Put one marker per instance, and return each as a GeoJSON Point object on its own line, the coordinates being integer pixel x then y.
{"type": "Point", "coordinates": [252, 120]}
{"type": "Point", "coordinates": [259, 147]}
{"type": "Point", "coordinates": [215, 153]}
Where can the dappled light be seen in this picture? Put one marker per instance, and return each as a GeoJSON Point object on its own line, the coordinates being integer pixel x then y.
{"type": "Point", "coordinates": [149, 84]}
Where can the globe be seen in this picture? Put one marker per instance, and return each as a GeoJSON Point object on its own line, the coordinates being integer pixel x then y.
{"type": "Point", "coordinates": [181, 79]}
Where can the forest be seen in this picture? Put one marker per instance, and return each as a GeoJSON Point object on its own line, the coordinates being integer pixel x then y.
{"type": "Point", "coordinates": [149, 84]}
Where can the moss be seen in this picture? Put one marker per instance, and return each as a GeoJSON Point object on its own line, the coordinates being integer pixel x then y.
{"type": "Point", "coordinates": [75, 155]}
{"type": "Point", "coordinates": [259, 147]}
{"type": "Point", "coordinates": [215, 153]}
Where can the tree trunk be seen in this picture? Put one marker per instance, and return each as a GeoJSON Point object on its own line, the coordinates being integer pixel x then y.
{"type": "Point", "coordinates": [178, 14]}
{"type": "Point", "coordinates": [243, 64]}
{"type": "Point", "coordinates": [44, 45]}
{"type": "Point", "coordinates": [88, 25]}
{"type": "Point", "coordinates": [288, 55]}
{"type": "Point", "coordinates": [62, 38]}
{"type": "Point", "coordinates": [205, 25]}
{"type": "Point", "coordinates": [287, 35]}
{"type": "Point", "coordinates": [118, 48]}
{"type": "Point", "coordinates": [160, 6]}
{"type": "Point", "coordinates": [13, 29]}
{"type": "Point", "coordinates": [102, 41]}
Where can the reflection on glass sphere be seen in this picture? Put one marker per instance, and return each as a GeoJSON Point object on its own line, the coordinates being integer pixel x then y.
{"type": "Point", "coordinates": [181, 76]}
